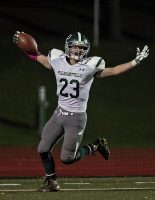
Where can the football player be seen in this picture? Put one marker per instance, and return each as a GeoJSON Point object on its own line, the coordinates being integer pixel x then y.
{"type": "Point", "coordinates": [75, 73]}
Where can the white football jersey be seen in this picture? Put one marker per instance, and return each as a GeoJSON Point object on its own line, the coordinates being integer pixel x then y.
{"type": "Point", "coordinates": [74, 81]}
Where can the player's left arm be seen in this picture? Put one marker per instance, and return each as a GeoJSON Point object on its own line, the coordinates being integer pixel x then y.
{"type": "Point", "coordinates": [111, 71]}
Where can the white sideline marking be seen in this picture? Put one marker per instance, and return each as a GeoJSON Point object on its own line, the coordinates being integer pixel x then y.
{"type": "Point", "coordinates": [87, 189]}
{"type": "Point", "coordinates": [107, 189]}
{"type": "Point", "coordinates": [144, 182]}
{"type": "Point", "coordinates": [76, 183]}
{"type": "Point", "coordinates": [10, 184]}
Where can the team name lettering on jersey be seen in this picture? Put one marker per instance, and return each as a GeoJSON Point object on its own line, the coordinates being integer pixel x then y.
{"type": "Point", "coordinates": [69, 74]}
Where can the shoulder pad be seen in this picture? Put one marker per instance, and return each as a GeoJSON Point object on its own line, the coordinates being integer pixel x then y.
{"type": "Point", "coordinates": [96, 62]}
{"type": "Point", "coordinates": [54, 53]}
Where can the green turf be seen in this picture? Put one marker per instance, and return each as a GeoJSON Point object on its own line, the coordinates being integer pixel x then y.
{"type": "Point", "coordinates": [133, 188]}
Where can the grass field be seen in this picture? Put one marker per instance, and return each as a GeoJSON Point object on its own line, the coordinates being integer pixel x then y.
{"type": "Point", "coordinates": [117, 188]}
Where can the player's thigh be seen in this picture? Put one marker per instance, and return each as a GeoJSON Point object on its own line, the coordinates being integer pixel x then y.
{"type": "Point", "coordinates": [51, 133]}
{"type": "Point", "coordinates": [74, 131]}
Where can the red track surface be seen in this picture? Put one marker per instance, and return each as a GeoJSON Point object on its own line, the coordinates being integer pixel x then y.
{"type": "Point", "coordinates": [21, 162]}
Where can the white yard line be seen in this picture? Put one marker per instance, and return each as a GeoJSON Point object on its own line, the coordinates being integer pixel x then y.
{"type": "Point", "coordinates": [144, 182]}
{"type": "Point", "coordinates": [9, 184]}
{"type": "Point", "coordinates": [80, 189]}
{"type": "Point", "coordinates": [76, 183]}
{"type": "Point", "coordinates": [107, 189]}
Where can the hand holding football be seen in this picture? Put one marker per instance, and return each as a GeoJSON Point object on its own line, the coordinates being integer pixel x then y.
{"type": "Point", "coordinates": [27, 43]}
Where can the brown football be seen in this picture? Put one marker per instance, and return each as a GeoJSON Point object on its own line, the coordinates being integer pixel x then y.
{"type": "Point", "coordinates": [27, 43]}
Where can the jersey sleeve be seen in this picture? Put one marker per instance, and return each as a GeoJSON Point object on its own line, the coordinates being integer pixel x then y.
{"type": "Point", "coordinates": [54, 54]}
{"type": "Point", "coordinates": [96, 63]}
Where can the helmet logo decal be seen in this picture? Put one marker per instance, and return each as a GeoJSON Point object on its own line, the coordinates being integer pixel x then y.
{"type": "Point", "coordinates": [69, 37]}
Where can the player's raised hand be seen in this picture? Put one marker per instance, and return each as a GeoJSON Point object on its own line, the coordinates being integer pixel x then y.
{"type": "Point", "coordinates": [26, 43]}
{"type": "Point", "coordinates": [141, 55]}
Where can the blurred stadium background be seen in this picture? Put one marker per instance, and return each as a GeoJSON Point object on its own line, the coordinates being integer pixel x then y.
{"type": "Point", "coordinates": [120, 108]}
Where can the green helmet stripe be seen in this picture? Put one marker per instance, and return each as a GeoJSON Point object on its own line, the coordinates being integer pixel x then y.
{"type": "Point", "coordinates": [79, 36]}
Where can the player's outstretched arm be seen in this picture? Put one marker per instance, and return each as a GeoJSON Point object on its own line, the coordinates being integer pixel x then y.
{"type": "Point", "coordinates": [110, 71]}
{"type": "Point", "coordinates": [42, 59]}
{"type": "Point", "coordinates": [29, 46]}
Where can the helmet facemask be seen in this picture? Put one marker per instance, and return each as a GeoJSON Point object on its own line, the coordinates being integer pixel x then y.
{"type": "Point", "coordinates": [77, 46]}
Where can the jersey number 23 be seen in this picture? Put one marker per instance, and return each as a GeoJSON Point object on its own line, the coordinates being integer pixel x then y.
{"type": "Point", "coordinates": [75, 92]}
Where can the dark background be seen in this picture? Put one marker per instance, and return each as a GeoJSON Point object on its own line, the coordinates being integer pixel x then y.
{"type": "Point", "coordinates": [121, 108]}
{"type": "Point", "coordinates": [58, 18]}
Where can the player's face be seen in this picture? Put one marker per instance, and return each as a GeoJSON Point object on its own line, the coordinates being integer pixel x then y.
{"type": "Point", "coordinates": [77, 52]}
